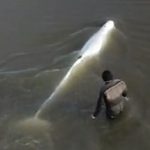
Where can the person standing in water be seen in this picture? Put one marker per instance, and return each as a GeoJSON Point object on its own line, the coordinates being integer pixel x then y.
{"type": "Point", "coordinates": [114, 94]}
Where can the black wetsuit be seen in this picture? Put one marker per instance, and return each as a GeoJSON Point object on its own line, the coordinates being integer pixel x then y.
{"type": "Point", "coordinates": [109, 113]}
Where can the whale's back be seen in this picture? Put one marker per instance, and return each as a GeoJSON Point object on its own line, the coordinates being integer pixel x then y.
{"type": "Point", "coordinates": [98, 40]}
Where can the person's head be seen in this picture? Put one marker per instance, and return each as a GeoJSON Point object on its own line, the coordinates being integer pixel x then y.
{"type": "Point", "coordinates": [107, 75]}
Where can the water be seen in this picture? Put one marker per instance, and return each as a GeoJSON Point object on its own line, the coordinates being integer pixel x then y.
{"type": "Point", "coordinates": [39, 42]}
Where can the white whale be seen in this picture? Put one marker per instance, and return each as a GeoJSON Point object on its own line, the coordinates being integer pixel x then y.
{"type": "Point", "coordinates": [88, 61]}
{"type": "Point", "coordinates": [72, 95]}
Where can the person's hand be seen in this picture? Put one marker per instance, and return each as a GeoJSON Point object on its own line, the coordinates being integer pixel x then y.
{"type": "Point", "coordinates": [93, 117]}
{"type": "Point", "coordinates": [126, 98]}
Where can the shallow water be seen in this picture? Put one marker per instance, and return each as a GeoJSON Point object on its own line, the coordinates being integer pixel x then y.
{"type": "Point", "coordinates": [39, 42]}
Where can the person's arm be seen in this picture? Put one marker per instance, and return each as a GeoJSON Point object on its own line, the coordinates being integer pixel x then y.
{"type": "Point", "coordinates": [98, 106]}
{"type": "Point", "coordinates": [124, 94]}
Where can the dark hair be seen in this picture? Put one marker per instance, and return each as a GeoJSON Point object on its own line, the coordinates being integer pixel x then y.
{"type": "Point", "coordinates": [107, 75]}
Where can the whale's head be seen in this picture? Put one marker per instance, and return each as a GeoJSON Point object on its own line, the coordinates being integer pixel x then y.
{"type": "Point", "coordinates": [104, 46]}
{"type": "Point", "coordinates": [99, 40]}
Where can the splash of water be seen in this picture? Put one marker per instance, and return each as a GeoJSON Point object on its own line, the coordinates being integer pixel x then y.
{"type": "Point", "coordinates": [33, 126]}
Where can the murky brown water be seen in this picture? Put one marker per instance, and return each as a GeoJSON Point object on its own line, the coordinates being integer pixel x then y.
{"type": "Point", "coordinates": [39, 41]}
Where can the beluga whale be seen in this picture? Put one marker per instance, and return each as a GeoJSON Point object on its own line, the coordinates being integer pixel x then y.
{"type": "Point", "coordinates": [88, 62]}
